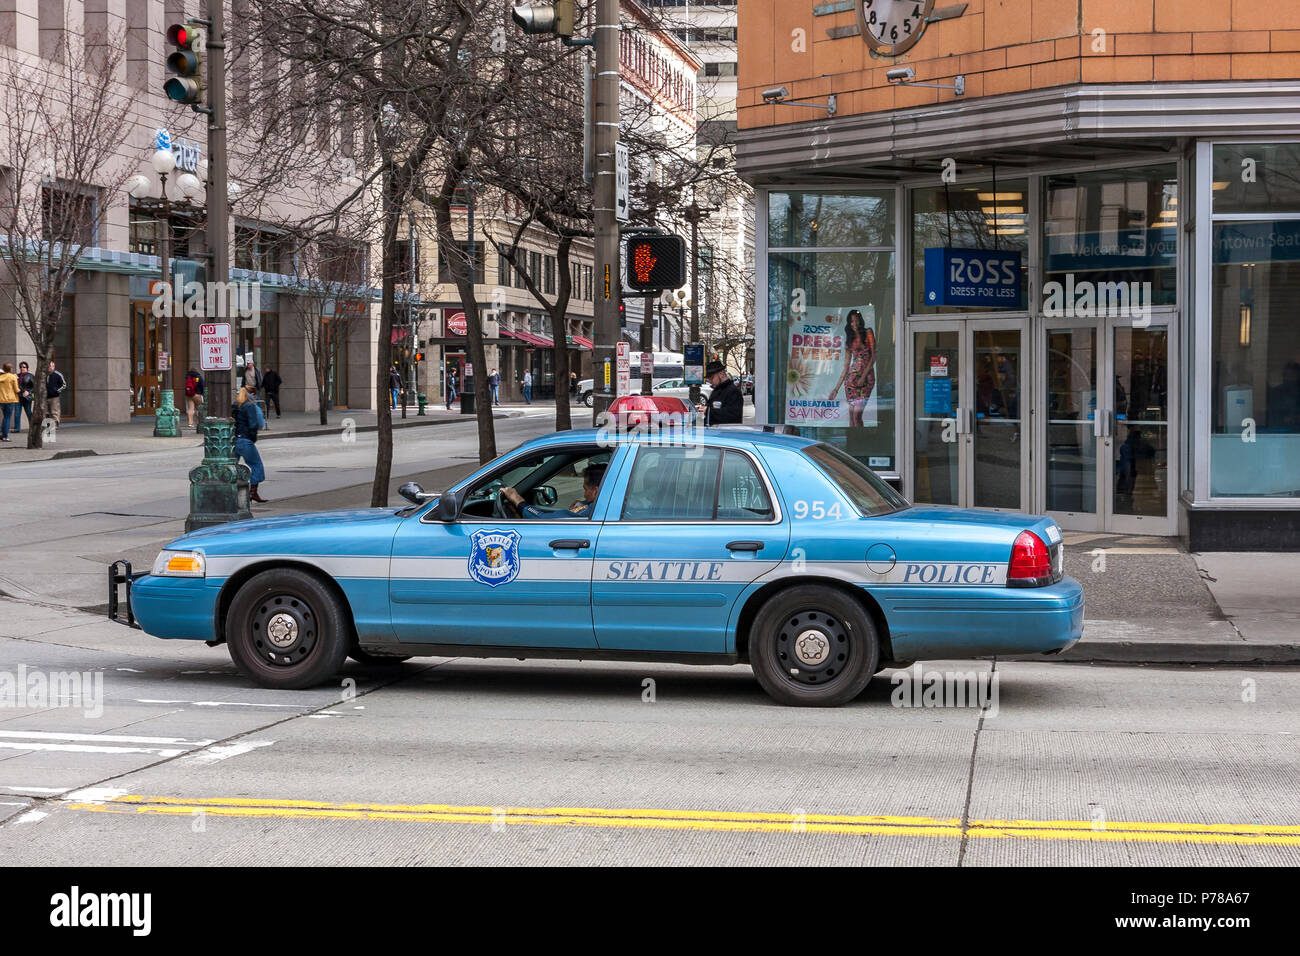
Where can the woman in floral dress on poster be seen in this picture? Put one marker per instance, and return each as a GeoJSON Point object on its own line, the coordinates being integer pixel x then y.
{"type": "Point", "coordinates": [859, 375]}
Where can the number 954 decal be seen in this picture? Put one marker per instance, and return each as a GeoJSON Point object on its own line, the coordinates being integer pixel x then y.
{"type": "Point", "coordinates": [818, 510]}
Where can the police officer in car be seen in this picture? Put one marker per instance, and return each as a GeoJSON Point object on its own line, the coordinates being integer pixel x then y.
{"type": "Point", "coordinates": [592, 476]}
{"type": "Point", "coordinates": [726, 403]}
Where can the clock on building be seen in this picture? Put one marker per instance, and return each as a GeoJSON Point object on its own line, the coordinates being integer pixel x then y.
{"type": "Point", "coordinates": [891, 27]}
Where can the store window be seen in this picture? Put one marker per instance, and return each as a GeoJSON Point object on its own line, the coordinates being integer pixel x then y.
{"type": "Point", "coordinates": [831, 276]}
{"type": "Point", "coordinates": [1255, 339]}
{"type": "Point", "coordinates": [1114, 226]}
{"type": "Point", "coordinates": [984, 216]}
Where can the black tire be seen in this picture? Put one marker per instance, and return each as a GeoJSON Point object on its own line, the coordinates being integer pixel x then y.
{"type": "Point", "coordinates": [587, 399]}
{"type": "Point", "coordinates": [381, 660]}
{"type": "Point", "coordinates": [837, 628]}
{"type": "Point", "coordinates": [305, 613]}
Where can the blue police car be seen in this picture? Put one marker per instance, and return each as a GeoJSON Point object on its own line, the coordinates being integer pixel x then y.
{"type": "Point", "coordinates": [714, 546]}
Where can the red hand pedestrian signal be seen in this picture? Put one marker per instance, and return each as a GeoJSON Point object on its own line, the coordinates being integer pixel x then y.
{"type": "Point", "coordinates": [643, 261]}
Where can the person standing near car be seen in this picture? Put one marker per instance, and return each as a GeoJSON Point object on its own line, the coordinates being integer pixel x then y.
{"type": "Point", "coordinates": [494, 382]}
{"type": "Point", "coordinates": [725, 405]}
{"type": "Point", "coordinates": [55, 383]}
{"type": "Point", "coordinates": [8, 399]}
{"type": "Point", "coordinates": [193, 395]}
{"type": "Point", "coordinates": [271, 382]}
{"type": "Point", "coordinates": [248, 422]}
{"type": "Point", "coordinates": [527, 382]}
{"type": "Point", "coordinates": [26, 389]}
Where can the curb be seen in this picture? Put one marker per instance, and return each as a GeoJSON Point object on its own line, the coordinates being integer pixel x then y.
{"type": "Point", "coordinates": [398, 425]}
{"type": "Point", "coordinates": [1173, 652]}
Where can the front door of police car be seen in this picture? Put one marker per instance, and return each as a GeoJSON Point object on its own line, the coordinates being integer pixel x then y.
{"type": "Point", "coordinates": [501, 576]}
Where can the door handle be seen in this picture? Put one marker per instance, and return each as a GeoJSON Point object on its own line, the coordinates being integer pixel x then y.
{"type": "Point", "coordinates": [959, 416]}
{"type": "Point", "coordinates": [1098, 424]}
{"type": "Point", "coordinates": [570, 544]}
{"type": "Point", "coordinates": [745, 546]}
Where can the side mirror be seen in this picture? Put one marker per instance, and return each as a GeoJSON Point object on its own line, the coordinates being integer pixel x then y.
{"type": "Point", "coordinates": [413, 493]}
{"type": "Point", "coordinates": [448, 506]}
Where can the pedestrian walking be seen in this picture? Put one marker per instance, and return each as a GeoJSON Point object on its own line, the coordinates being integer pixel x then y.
{"type": "Point", "coordinates": [528, 386]}
{"type": "Point", "coordinates": [252, 376]}
{"type": "Point", "coordinates": [193, 395]}
{"type": "Point", "coordinates": [8, 399]}
{"type": "Point", "coordinates": [394, 384]}
{"type": "Point", "coordinates": [271, 382]}
{"type": "Point", "coordinates": [573, 383]}
{"type": "Point", "coordinates": [248, 422]}
{"type": "Point", "coordinates": [494, 382]}
{"type": "Point", "coordinates": [55, 384]}
{"type": "Point", "coordinates": [26, 391]}
{"type": "Point", "coordinates": [726, 405]}
{"type": "Point", "coordinates": [451, 387]}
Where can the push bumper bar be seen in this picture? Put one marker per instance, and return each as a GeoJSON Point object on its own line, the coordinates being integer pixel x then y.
{"type": "Point", "coordinates": [119, 573]}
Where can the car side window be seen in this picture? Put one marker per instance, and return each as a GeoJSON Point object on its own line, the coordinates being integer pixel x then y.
{"type": "Point", "coordinates": [742, 496]}
{"type": "Point", "coordinates": [672, 484]}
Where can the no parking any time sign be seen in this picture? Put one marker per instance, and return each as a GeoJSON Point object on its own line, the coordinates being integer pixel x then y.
{"type": "Point", "coordinates": [214, 346]}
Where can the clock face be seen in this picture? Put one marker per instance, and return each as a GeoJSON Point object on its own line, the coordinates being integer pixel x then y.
{"type": "Point", "coordinates": [892, 26]}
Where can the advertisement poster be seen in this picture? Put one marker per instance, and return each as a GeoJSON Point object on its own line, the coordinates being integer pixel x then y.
{"type": "Point", "coordinates": [831, 370]}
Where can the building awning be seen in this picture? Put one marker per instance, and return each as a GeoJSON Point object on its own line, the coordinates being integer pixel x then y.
{"type": "Point", "coordinates": [583, 342]}
{"type": "Point", "coordinates": [537, 341]}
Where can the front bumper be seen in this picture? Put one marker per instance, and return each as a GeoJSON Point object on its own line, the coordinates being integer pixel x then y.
{"type": "Point", "coordinates": [167, 607]}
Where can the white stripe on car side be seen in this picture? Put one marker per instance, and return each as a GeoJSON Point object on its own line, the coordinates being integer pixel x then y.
{"type": "Point", "coordinates": [634, 570]}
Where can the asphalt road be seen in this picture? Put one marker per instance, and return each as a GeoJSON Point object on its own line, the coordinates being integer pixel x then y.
{"type": "Point", "coordinates": [180, 761]}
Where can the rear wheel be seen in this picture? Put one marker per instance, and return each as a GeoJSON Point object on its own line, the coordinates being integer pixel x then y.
{"type": "Point", "coordinates": [813, 646]}
{"type": "Point", "coordinates": [286, 629]}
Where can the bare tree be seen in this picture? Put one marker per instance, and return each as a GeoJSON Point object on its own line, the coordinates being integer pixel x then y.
{"type": "Point", "coordinates": [61, 134]}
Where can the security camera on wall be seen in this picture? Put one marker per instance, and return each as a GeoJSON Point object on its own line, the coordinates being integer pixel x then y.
{"type": "Point", "coordinates": [775, 95]}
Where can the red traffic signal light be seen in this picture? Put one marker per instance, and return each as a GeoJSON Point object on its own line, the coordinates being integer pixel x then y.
{"type": "Point", "coordinates": [186, 61]}
{"type": "Point", "coordinates": [653, 263]}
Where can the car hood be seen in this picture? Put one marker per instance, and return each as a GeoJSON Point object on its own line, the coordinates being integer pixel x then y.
{"type": "Point", "coordinates": [316, 525]}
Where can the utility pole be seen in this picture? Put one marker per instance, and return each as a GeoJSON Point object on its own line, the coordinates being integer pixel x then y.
{"type": "Point", "coordinates": [219, 485]}
{"type": "Point", "coordinates": [608, 281]}
{"type": "Point", "coordinates": [165, 423]}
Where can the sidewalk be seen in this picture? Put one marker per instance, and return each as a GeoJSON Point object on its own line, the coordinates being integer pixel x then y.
{"type": "Point", "coordinates": [80, 439]}
{"type": "Point", "coordinates": [1149, 601]}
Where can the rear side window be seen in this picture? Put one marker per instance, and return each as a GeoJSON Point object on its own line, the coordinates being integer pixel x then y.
{"type": "Point", "coordinates": [869, 494]}
{"type": "Point", "coordinates": [667, 484]}
{"type": "Point", "coordinates": [693, 484]}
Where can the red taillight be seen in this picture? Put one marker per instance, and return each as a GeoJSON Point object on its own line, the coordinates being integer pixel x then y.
{"type": "Point", "coordinates": [1030, 561]}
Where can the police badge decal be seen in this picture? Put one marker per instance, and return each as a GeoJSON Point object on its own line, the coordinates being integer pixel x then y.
{"type": "Point", "coordinates": [494, 557]}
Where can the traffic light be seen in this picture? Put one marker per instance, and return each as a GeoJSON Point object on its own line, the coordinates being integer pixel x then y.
{"type": "Point", "coordinates": [186, 61]}
{"type": "Point", "coordinates": [556, 18]}
{"type": "Point", "coordinates": [652, 263]}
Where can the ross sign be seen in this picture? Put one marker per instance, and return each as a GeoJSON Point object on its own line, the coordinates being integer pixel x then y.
{"type": "Point", "coordinates": [456, 324]}
{"type": "Point", "coordinates": [830, 378]}
{"type": "Point", "coordinates": [938, 366]}
{"type": "Point", "coordinates": [647, 363]}
{"type": "Point", "coordinates": [623, 360]}
{"type": "Point", "coordinates": [215, 346]}
{"type": "Point", "coordinates": [622, 193]}
{"type": "Point", "coordinates": [982, 278]}
{"type": "Point", "coordinates": [693, 364]}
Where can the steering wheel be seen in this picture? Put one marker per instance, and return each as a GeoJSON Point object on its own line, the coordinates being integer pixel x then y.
{"type": "Point", "coordinates": [502, 506]}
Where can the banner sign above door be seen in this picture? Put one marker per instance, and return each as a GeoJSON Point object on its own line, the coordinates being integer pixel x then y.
{"type": "Point", "coordinates": [977, 278]}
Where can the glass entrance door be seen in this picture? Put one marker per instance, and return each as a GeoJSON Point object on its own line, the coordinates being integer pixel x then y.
{"type": "Point", "coordinates": [1107, 446]}
{"type": "Point", "coordinates": [970, 440]}
{"type": "Point", "coordinates": [146, 383]}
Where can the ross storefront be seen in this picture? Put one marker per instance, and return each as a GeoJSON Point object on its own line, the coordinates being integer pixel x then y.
{"type": "Point", "coordinates": [1076, 300]}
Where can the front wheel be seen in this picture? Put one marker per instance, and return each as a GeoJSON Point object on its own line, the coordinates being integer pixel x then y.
{"type": "Point", "coordinates": [813, 646]}
{"type": "Point", "coordinates": [587, 399]}
{"type": "Point", "coordinates": [288, 630]}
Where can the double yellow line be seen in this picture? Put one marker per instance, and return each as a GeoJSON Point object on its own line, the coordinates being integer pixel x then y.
{"type": "Point", "coordinates": [705, 820]}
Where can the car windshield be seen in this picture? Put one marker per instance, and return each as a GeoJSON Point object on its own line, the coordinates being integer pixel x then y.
{"type": "Point", "coordinates": [869, 494]}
